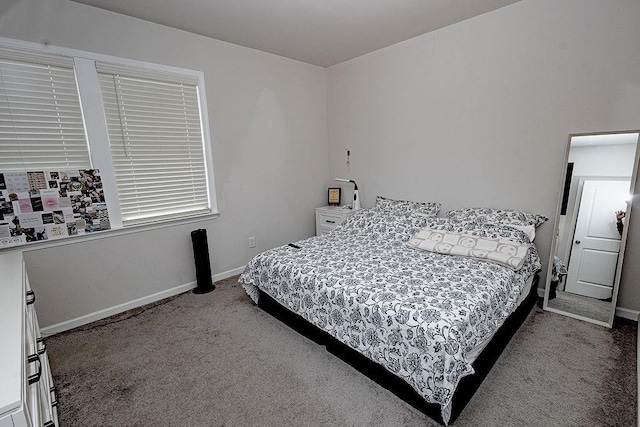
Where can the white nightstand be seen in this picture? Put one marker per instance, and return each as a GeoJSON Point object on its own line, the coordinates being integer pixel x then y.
{"type": "Point", "coordinates": [329, 217]}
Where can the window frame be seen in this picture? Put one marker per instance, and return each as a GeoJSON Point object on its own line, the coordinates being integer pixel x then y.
{"type": "Point", "coordinates": [98, 138]}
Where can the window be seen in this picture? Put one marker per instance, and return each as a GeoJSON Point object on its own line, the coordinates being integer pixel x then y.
{"type": "Point", "coordinates": [143, 126]}
{"type": "Point", "coordinates": [156, 143]}
{"type": "Point", "coordinates": [41, 125]}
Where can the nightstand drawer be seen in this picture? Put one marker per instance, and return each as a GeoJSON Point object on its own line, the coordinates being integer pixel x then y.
{"type": "Point", "coordinates": [328, 218]}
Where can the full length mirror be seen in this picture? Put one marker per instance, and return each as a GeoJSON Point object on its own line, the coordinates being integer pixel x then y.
{"type": "Point", "coordinates": [590, 235]}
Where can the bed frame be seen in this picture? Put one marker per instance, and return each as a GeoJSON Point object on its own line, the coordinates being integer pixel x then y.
{"type": "Point", "coordinates": [468, 384]}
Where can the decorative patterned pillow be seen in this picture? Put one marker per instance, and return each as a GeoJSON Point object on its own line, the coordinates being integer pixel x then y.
{"type": "Point", "coordinates": [384, 223]}
{"type": "Point", "coordinates": [497, 216]}
{"type": "Point", "coordinates": [407, 207]}
{"type": "Point", "coordinates": [487, 230]}
{"type": "Point", "coordinates": [529, 230]}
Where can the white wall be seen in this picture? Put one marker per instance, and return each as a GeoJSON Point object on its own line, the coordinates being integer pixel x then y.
{"type": "Point", "coordinates": [267, 116]}
{"type": "Point", "coordinates": [603, 160]}
{"type": "Point", "coordinates": [479, 113]}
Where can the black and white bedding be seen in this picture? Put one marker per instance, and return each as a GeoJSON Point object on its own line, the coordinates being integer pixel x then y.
{"type": "Point", "coordinates": [417, 313]}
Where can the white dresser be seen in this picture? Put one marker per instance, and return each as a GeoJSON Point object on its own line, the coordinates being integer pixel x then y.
{"type": "Point", "coordinates": [27, 394]}
{"type": "Point", "coordinates": [329, 217]}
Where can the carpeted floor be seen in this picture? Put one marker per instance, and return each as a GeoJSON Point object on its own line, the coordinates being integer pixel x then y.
{"type": "Point", "coordinates": [581, 305]}
{"type": "Point", "coordinates": [218, 360]}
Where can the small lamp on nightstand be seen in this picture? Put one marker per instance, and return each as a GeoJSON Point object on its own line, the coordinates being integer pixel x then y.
{"type": "Point", "coordinates": [356, 197]}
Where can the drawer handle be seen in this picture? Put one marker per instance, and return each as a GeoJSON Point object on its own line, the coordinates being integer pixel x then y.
{"type": "Point", "coordinates": [49, 424]}
{"type": "Point", "coordinates": [43, 348]}
{"type": "Point", "coordinates": [31, 297]}
{"type": "Point", "coordinates": [35, 377]}
{"type": "Point", "coordinates": [54, 401]}
{"type": "Point", "coordinates": [330, 222]}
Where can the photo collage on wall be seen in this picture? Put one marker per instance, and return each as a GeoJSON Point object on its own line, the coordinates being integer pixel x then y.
{"type": "Point", "coordinates": [50, 205]}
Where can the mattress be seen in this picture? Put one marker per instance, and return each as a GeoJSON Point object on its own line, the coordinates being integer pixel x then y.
{"type": "Point", "coordinates": [421, 315]}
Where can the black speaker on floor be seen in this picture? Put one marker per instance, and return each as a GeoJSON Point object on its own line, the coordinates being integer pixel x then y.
{"type": "Point", "coordinates": [203, 266]}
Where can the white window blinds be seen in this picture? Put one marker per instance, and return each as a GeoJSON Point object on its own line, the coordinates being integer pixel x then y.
{"type": "Point", "coordinates": [41, 124]}
{"type": "Point", "coordinates": [156, 143]}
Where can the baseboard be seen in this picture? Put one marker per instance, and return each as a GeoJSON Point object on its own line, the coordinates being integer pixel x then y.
{"type": "Point", "coordinates": [228, 273]}
{"type": "Point", "coordinates": [626, 313]}
{"type": "Point", "coordinates": [101, 314]}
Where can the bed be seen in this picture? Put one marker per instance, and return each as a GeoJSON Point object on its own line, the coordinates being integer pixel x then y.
{"type": "Point", "coordinates": [423, 316]}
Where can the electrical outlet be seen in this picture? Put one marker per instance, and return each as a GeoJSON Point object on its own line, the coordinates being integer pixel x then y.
{"type": "Point", "coordinates": [252, 242]}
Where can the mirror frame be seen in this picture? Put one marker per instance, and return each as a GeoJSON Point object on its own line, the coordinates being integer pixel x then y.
{"type": "Point", "coordinates": [623, 238]}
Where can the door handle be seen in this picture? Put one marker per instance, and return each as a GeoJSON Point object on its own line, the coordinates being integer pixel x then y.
{"type": "Point", "coordinates": [34, 378]}
{"type": "Point", "coordinates": [577, 242]}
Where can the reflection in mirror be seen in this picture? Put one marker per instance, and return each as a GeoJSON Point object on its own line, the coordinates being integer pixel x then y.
{"type": "Point", "coordinates": [588, 245]}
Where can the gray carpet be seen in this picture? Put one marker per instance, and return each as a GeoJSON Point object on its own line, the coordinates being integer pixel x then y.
{"type": "Point", "coordinates": [218, 360]}
{"type": "Point", "coordinates": [582, 306]}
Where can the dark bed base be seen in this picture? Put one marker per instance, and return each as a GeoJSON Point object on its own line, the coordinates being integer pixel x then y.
{"type": "Point", "coordinates": [467, 386]}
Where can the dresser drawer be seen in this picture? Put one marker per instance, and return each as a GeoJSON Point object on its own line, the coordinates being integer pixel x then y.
{"type": "Point", "coordinates": [27, 394]}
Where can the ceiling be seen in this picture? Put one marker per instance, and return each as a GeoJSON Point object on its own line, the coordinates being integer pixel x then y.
{"type": "Point", "coordinates": [320, 32]}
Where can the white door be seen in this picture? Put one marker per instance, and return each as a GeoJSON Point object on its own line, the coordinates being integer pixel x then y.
{"type": "Point", "coordinates": [596, 242]}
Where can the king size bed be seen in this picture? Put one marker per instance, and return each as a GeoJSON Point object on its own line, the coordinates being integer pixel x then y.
{"type": "Point", "coordinates": [418, 296]}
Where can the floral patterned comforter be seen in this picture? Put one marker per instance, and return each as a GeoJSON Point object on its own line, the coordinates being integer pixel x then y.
{"type": "Point", "coordinates": [416, 313]}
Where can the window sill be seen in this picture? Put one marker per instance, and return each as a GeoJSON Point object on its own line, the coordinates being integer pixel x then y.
{"type": "Point", "coordinates": [44, 244]}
